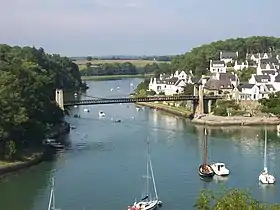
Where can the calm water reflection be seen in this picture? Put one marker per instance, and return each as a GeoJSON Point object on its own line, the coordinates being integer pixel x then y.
{"type": "Point", "coordinates": [103, 166]}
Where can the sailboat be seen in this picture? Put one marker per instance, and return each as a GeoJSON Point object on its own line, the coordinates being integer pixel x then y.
{"type": "Point", "coordinates": [148, 202]}
{"type": "Point", "coordinates": [205, 170]}
{"type": "Point", "coordinates": [51, 205]}
{"type": "Point", "coordinates": [265, 177]}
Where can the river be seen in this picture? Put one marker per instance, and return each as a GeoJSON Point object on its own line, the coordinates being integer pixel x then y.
{"type": "Point", "coordinates": [103, 165]}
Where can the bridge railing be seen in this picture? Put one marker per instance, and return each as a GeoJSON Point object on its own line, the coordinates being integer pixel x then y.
{"type": "Point", "coordinates": [138, 99]}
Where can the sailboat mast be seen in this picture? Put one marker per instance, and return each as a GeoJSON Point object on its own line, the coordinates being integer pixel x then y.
{"type": "Point", "coordinates": [265, 149]}
{"type": "Point", "coordinates": [205, 148]}
{"type": "Point", "coordinates": [153, 178]}
{"type": "Point", "coordinates": [147, 168]}
{"type": "Point", "coordinates": [50, 201]}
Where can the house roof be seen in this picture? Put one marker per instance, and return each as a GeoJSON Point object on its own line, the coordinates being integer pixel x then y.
{"type": "Point", "coordinates": [213, 84]}
{"type": "Point", "coordinates": [277, 78]}
{"type": "Point", "coordinates": [260, 78]}
{"type": "Point", "coordinates": [218, 62]}
{"type": "Point", "coordinates": [270, 66]}
{"type": "Point", "coordinates": [228, 55]}
{"type": "Point", "coordinates": [230, 76]}
{"type": "Point", "coordinates": [269, 60]}
{"type": "Point", "coordinates": [270, 87]}
{"type": "Point", "coordinates": [245, 86]}
{"type": "Point", "coordinates": [267, 72]}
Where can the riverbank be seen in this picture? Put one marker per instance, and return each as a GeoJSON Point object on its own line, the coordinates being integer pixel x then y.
{"type": "Point", "coordinates": [236, 120]}
{"type": "Point", "coordinates": [31, 158]}
{"type": "Point", "coordinates": [114, 77]}
{"type": "Point", "coordinates": [213, 120]}
{"type": "Point", "coordinates": [179, 111]}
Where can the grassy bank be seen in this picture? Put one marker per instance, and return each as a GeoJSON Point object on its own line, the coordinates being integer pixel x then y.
{"type": "Point", "coordinates": [114, 77]}
{"type": "Point", "coordinates": [179, 111]}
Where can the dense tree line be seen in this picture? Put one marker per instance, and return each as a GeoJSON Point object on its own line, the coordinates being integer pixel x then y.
{"type": "Point", "coordinates": [149, 58]}
{"type": "Point", "coordinates": [28, 79]}
{"type": "Point", "coordinates": [126, 68]}
{"type": "Point", "coordinates": [198, 58]}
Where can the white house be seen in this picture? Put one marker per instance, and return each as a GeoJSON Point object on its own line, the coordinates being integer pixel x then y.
{"type": "Point", "coordinates": [228, 56]}
{"type": "Point", "coordinates": [265, 67]}
{"type": "Point", "coordinates": [266, 79]}
{"type": "Point", "coordinates": [169, 86]}
{"type": "Point", "coordinates": [218, 66]}
{"type": "Point", "coordinates": [258, 56]}
{"type": "Point", "coordinates": [182, 75]}
{"type": "Point", "coordinates": [240, 65]}
{"type": "Point", "coordinates": [252, 92]}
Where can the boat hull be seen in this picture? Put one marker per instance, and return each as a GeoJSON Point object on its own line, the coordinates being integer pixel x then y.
{"type": "Point", "coordinates": [204, 174]}
{"type": "Point", "coordinates": [145, 205]}
{"type": "Point", "coordinates": [267, 179]}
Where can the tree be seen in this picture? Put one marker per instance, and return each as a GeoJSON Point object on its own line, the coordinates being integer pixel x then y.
{"type": "Point", "coordinates": [188, 89]}
{"type": "Point", "coordinates": [272, 104]}
{"type": "Point", "coordinates": [230, 199]}
{"type": "Point", "coordinates": [89, 58]}
{"type": "Point", "coordinates": [28, 79]}
{"type": "Point", "coordinates": [88, 64]}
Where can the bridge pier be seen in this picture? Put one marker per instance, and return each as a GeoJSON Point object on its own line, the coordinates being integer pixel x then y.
{"type": "Point", "coordinates": [59, 98]}
{"type": "Point", "coordinates": [209, 106]}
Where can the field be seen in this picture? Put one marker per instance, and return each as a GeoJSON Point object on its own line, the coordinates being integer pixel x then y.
{"type": "Point", "coordinates": [137, 63]}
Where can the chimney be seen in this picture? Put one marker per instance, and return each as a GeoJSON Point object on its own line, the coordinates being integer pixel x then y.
{"type": "Point", "coordinates": [160, 76]}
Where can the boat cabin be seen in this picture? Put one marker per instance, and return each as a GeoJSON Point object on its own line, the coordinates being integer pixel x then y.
{"type": "Point", "coordinates": [220, 166]}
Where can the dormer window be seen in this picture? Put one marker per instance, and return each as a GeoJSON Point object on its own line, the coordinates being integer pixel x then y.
{"type": "Point", "coordinates": [264, 80]}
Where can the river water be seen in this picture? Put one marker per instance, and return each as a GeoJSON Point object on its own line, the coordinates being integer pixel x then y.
{"type": "Point", "coordinates": [103, 167]}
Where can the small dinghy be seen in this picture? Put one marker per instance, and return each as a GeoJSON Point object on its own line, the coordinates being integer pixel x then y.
{"type": "Point", "coordinates": [101, 114]}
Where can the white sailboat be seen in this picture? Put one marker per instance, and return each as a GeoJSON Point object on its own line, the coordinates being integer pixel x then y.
{"type": "Point", "coordinates": [265, 177]}
{"type": "Point", "coordinates": [148, 202]}
{"type": "Point", "coordinates": [51, 205]}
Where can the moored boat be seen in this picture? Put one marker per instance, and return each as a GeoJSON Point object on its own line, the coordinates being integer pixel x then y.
{"type": "Point", "coordinates": [205, 170]}
{"type": "Point", "coordinates": [265, 177]}
{"type": "Point", "coordinates": [148, 202]}
{"type": "Point", "coordinates": [220, 169]}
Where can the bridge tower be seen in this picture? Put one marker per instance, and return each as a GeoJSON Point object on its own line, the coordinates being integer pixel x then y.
{"type": "Point", "coordinates": [200, 100]}
{"type": "Point", "coordinates": [59, 98]}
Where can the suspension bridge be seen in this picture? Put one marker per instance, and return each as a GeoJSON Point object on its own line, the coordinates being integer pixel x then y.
{"type": "Point", "coordinates": [198, 100]}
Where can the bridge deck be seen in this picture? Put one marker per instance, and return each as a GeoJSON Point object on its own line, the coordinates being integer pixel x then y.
{"type": "Point", "coordinates": [138, 99]}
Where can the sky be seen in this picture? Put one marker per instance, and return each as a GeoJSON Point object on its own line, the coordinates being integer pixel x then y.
{"type": "Point", "coordinates": [132, 27]}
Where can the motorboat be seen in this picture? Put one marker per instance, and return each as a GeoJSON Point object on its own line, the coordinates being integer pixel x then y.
{"type": "Point", "coordinates": [86, 110]}
{"type": "Point", "coordinates": [220, 169]}
{"type": "Point", "coordinates": [205, 170]}
{"type": "Point", "coordinates": [265, 177]}
{"type": "Point", "coordinates": [148, 202]}
{"type": "Point", "coordinates": [101, 114]}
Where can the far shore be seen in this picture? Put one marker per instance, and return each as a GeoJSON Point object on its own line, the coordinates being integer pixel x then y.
{"type": "Point", "coordinates": [212, 120]}
{"type": "Point", "coordinates": [114, 77]}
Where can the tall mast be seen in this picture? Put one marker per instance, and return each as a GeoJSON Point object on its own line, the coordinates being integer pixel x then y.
{"type": "Point", "coordinates": [265, 148]}
{"type": "Point", "coordinates": [147, 168]}
{"type": "Point", "coordinates": [153, 177]}
{"type": "Point", "coordinates": [205, 148]}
